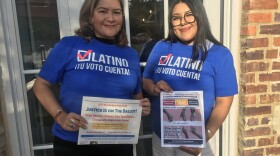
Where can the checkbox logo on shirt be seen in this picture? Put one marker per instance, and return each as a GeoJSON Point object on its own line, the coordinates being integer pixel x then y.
{"type": "Point", "coordinates": [83, 55]}
{"type": "Point", "coordinates": [164, 59]}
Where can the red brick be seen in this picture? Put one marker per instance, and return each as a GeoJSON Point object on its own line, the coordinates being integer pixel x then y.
{"type": "Point", "coordinates": [253, 152]}
{"type": "Point", "coordinates": [260, 131]}
{"type": "Point", "coordinates": [266, 141]}
{"type": "Point", "coordinates": [269, 77]}
{"type": "Point", "coordinates": [265, 121]}
{"type": "Point", "coordinates": [270, 29]}
{"type": "Point", "coordinates": [250, 89]}
{"type": "Point", "coordinates": [249, 143]}
{"type": "Point", "coordinates": [253, 122]}
{"type": "Point", "coordinates": [275, 87]}
{"type": "Point", "coordinates": [276, 41]}
{"type": "Point", "coordinates": [259, 4]}
{"type": "Point", "coordinates": [256, 66]}
{"type": "Point", "coordinates": [255, 43]}
{"type": "Point", "coordinates": [248, 99]}
{"type": "Point", "coordinates": [259, 17]}
{"type": "Point", "coordinates": [272, 54]}
{"type": "Point", "coordinates": [273, 151]}
{"type": "Point", "coordinates": [276, 65]}
{"type": "Point", "coordinates": [255, 55]}
{"type": "Point", "coordinates": [251, 111]}
{"type": "Point", "coordinates": [277, 17]}
{"type": "Point", "coordinates": [250, 78]}
{"type": "Point", "coordinates": [268, 99]}
{"type": "Point", "coordinates": [248, 30]}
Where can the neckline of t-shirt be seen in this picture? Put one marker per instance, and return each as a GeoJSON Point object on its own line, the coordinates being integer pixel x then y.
{"type": "Point", "coordinates": [105, 41]}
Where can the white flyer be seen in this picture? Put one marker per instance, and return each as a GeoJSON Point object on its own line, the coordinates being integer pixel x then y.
{"type": "Point", "coordinates": [110, 121]}
{"type": "Point", "coordinates": [182, 119]}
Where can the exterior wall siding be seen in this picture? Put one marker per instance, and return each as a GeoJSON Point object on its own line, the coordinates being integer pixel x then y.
{"type": "Point", "coordinates": [259, 124]}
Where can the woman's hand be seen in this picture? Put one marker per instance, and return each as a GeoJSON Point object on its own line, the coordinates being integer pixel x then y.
{"type": "Point", "coordinates": [161, 86]}
{"type": "Point", "coordinates": [146, 106]}
{"type": "Point", "coordinates": [191, 150]}
{"type": "Point", "coordinates": [71, 121]}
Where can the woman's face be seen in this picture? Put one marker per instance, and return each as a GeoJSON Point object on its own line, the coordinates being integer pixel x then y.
{"type": "Point", "coordinates": [184, 24]}
{"type": "Point", "coordinates": [107, 19]}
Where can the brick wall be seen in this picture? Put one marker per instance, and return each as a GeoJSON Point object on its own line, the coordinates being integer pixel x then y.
{"type": "Point", "coordinates": [259, 124]}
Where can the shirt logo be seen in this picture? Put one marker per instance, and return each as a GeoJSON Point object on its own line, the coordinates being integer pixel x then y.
{"type": "Point", "coordinates": [164, 59]}
{"type": "Point", "coordinates": [84, 55]}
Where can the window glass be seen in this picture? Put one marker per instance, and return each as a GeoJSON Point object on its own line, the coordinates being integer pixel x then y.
{"type": "Point", "coordinates": [41, 122]}
{"type": "Point", "coordinates": [38, 28]}
{"type": "Point", "coordinates": [146, 28]}
{"type": "Point", "coordinates": [146, 25]}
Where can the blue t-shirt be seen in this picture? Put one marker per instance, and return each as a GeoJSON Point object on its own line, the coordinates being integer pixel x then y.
{"type": "Point", "coordinates": [90, 68]}
{"type": "Point", "coordinates": [173, 64]}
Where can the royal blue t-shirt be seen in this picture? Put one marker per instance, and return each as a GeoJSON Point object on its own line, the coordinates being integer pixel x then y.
{"type": "Point", "coordinates": [173, 64]}
{"type": "Point", "coordinates": [90, 68]}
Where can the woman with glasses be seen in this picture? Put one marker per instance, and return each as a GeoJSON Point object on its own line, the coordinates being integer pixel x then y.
{"type": "Point", "coordinates": [198, 63]}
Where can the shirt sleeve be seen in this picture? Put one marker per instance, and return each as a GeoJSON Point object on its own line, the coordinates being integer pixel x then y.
{"type": "Point", "coordinates": [53, 67]}
{"type": "Point", "coordinates": [225, 77]}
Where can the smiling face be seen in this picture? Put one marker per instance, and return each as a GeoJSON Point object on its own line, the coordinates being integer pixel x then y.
{"type": "Point", "coordinates": [107, 19]}
{"type": "Point", "coordinates": [184, 31]}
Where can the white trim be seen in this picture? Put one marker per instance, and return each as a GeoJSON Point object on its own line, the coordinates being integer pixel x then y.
{"type": "Point", "coordinates": [232, 23]}
{"type": "Point", "coordinates": [68, 16]}
{"type": "Point", "coordinates": [6, 92]}
{"type": "Point", "coordinates": [12, 82]}
{"type": "Point", "coordinates": [127, 25]}
{"type": "Point", "coordinates": [63, 18]}
{"type": "Point", "coordinates": [213, 11]}
{"type": "Point", "coordinates": [44, 147]}
{"type": "Point", "coordinates": [165, 17]}
{"type": "Point", "coordinates": [212, 8]}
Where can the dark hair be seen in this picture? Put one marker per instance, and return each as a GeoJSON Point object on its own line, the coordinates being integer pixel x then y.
{"type": "Point", "coordinates": [86, 29]}
{"type": "Point", "coordinates": [203, 28]}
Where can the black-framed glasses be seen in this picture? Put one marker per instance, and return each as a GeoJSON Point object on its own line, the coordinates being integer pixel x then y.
{"type": "Point", "coordinates": [177, 20]}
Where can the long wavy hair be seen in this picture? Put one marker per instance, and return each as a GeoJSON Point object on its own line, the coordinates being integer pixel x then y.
{"type": "Point", "coordinates": [203, 33]}
{"type": "Point", "coordinates": [86, 29]}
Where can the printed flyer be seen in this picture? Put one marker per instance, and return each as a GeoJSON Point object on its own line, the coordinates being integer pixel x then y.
{"type": "Point", "coordinates": [182, 119]}
{"type": "Point", "coordinates": [110, 121]}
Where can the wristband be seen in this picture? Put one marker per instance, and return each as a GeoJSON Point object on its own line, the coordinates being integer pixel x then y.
{"type": "Point", "coordinates": [58, 112]}
{"type": "Point", "coordinates": [208, 131]}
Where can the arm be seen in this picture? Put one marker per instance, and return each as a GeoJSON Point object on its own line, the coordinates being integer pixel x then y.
{"type": "Point", "coordinates": [43, 91]}
{"type": "Point", "coordinates": [215, 121]}
{"type": "Point", "coordinates": [218, 115]}
{"type": "Point", "coordinates": [144, 102]}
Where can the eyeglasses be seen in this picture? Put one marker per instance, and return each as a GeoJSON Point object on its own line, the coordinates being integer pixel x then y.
{"type": "Point", "coordinates": [177, 20]}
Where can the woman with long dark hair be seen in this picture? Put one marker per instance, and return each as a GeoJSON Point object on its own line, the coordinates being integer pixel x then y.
{"type": "Point", "coordinates": [198, 63]}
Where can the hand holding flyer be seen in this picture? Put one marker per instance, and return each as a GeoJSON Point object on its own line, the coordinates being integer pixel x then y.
{"type": "Point", "coordinates": [110, 121]}
{"type": "Point", "coordinates": [182, 119]}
